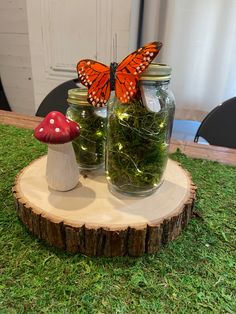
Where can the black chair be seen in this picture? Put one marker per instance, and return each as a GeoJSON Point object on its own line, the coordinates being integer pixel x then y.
{"type": "Point", "coordinates": [56, 99]}
{"type": "Point", "coordinates": [219, 126]}
{"type": "Point", "coordinates": [4, 105]}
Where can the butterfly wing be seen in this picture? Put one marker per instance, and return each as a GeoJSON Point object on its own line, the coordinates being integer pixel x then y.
{"type": "Point", "coordinates": [99, 92]}
{"type": "Point", "coordinates": [125, 86]}
{"type": "Point", "coordinates": [136, 62]}
{"type": "Point", "coordinates": [129, 70]}
{"type": "Point", "coordinates": [96, 77]}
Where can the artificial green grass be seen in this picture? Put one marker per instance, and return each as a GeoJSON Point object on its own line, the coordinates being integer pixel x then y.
{"type": "Point", "coordinates": [193, 274]}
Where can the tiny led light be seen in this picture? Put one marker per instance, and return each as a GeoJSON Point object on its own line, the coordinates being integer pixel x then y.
{"type": "Point", "coordinates": [120, 146]}
{"type": "Point", "coordinates": [99, 133]}
{"type": "Point", "coordinates": [123, 116]}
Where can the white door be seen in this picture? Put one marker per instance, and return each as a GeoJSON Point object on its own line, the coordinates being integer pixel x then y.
{"type": "Point", "coordinates": [62, 32]}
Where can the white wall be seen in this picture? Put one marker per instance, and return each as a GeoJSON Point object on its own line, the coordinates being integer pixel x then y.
{"type": "Point", "coordinates": [41, 42]}
{"type": "Point", "coordinates": [15, 64]}
{"type": "Point", "coordinates": [63, 32]}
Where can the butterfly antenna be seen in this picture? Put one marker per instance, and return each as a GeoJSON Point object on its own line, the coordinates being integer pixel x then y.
{"type": "Point", "coordinates": [115, 48]}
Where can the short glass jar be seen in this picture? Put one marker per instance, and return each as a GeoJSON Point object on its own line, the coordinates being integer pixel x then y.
{"type": "Point", "coordinates": [90, 145]}
{"type": "Point", "coordinates": [138, 135]}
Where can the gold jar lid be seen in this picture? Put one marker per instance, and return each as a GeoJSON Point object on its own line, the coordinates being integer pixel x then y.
{"type": "Point", "coordinates": [156, 72]}
{"type": "Point", "coordinates": [78, 96]}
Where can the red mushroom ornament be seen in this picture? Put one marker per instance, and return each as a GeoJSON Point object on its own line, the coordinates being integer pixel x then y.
{"type": "Point", "coordinates": [57, 131]}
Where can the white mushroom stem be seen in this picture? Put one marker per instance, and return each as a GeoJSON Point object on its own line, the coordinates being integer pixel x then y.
{"type": "Point", "coordinates": [62, 170]}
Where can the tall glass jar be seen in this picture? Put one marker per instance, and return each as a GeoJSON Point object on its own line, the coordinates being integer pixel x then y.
{"type": "Point", "coordinates": [138, 135]}
{"type": "Point", "coordinates": [90, 145]}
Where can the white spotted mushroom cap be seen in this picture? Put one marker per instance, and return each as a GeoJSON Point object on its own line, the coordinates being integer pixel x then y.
{"type": "Point", "coordinates": [56, 128]}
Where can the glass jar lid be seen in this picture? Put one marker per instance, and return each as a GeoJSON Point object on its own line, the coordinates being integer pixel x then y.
{"type": "Point", "coordinates": [78, 96]}
{"type": "Point", "coordinates": [156, 72]}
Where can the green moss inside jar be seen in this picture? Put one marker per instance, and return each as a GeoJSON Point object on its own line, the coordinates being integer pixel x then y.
{"type": "Point", "coordinates": [90, 147]}
{"type": "Point", "coordinates": [138, 137]}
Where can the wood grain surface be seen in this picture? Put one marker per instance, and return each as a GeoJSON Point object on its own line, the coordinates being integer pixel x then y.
{"type": "Point", "coordinates": [91, 220]}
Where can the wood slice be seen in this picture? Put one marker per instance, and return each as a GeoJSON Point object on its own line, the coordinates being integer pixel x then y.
{"type": "Point", "coordinates": [91, 220]}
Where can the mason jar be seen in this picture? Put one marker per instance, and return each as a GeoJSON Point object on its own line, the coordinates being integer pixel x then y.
{"type": "Point", "coordinates": [138, 134]}
{"type": "Point", "coordinates": [89, 147]}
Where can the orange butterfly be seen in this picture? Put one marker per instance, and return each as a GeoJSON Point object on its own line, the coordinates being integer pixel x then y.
{"type": "Point", "coordinates": [123, 78]}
